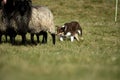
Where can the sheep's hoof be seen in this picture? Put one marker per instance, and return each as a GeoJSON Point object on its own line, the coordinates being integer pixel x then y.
{"type": "Point", "coordinates": [44, 41]}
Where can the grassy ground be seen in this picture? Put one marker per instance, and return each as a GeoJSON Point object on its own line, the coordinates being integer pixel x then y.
{"type": "Point", "coordinates": [97, 57]}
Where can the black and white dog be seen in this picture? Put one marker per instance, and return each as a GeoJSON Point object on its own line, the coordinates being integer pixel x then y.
{"type": "Point", "coordinates": [72, 30]}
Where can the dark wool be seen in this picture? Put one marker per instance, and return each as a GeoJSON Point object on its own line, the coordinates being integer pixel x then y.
{"type": "Point", "coordinates": [7, 18]}
{"type": "Point", "coordinates": [22, 17]}
{"type": "Point", "coordinates": [17, 14]}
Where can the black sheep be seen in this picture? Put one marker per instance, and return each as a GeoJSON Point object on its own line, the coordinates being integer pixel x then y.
{"type": "Point", "coordinates": [8, 8]}
{"type": "Point", "coordinates": [17, 15]}
{"type": "Point", "coordinates": [22, 17]}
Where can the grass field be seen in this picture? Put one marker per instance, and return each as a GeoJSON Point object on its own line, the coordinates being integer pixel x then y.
{"type": "Point", "coordinates": [97, 57]}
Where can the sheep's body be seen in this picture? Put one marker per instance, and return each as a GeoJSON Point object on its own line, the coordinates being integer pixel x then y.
{"type": "Point", "coordinates": [22, 16]}
{"type": "Point", "coordinates": [7, 27]}
{"type": "Point", "coordinates": [3, 26]}
{"type": "Point", "coordinates": [17, 15]}
{"type": "Point", "coordinates": [7, 10]}
{"type": "Point", "coordinates": [41, 20]}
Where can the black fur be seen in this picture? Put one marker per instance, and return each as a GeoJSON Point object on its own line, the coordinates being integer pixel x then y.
{"type": "Point", "coordinates": [7, 15]}
{"type": "Point", "coordinates": [44, 33]}
{"type": "Point", "coordinates": [44, 40]}
{"type": "Point", "coordinates": [20, 12]}
{"type": "Point", "coordinates": [22, 17]}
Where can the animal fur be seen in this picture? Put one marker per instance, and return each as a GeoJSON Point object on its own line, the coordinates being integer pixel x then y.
{"type": "Point", "coordinates": [2, 26]}
{"type": "Point", "coordinates": [7, 10]}
{"type": "Point", "coordinates": [72, 29]}
{"type": "Point", "coordinates": [22, 15]}
{"type": "Point", "coordinates": [42, 20]}
{"type": "Point", "coordinates": [17, 14]}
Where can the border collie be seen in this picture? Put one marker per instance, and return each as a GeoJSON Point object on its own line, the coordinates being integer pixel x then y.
{"type": "Point", "coordinates": [72, 30]}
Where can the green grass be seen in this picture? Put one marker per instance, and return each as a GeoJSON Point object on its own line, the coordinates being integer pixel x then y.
{"type": "Point", "coordinates": [97, 57]}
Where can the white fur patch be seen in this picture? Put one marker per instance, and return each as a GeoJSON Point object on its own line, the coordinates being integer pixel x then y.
{"type": "Point", "coordinates": [63, 26]}
{"type": "Point", "coordinates": [68, 34]}
{"type": "Point", "coordinates": [79, 32]}
{"type": "Point", "coordinates": [72, 38]}
{"type": "Point", "coordinates": [61, 38]}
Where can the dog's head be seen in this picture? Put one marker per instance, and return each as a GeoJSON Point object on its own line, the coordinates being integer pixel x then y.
{"type": "Point", "coordinates": [60, 31]}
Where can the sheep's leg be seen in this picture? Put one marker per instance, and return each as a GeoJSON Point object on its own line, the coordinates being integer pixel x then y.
{"type": "Point", "coordinates": [53, 38]}
{"type": "Point", "coordinates": [32, 39]}
{"type": "Point", "coordinates": [44, 37]}
{"type": "Point", "coordinates": [37, 35]}
{"type": "Point", "coordinates": [23, 38]}
{"type": "Point", "coordinates": [12, 40]}
{"type": "Point", "coordinates": [11, 33]}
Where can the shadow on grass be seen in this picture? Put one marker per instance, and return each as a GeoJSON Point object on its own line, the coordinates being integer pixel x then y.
{"type": "Point", "coordinates": [27, 43]}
